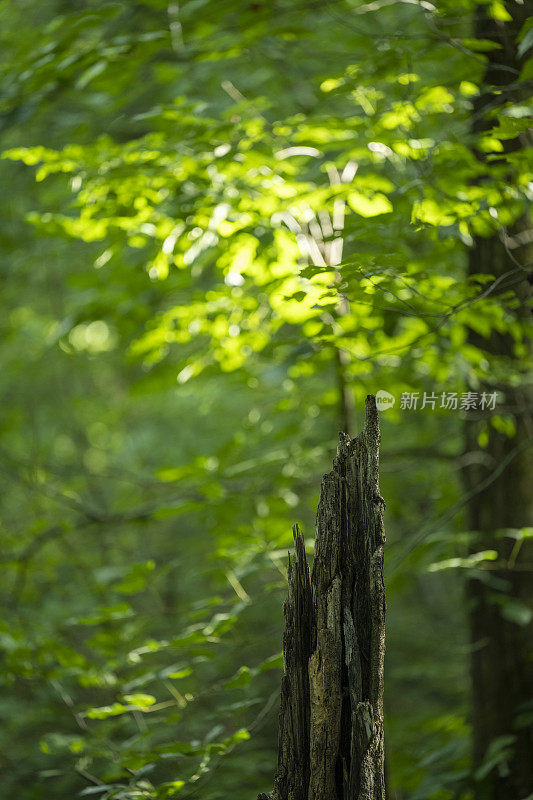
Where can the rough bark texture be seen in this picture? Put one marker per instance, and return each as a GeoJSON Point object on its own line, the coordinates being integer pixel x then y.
{"type": "Point", "coordinates": [292, 777]}
{"type": "Point", "coordinates": [331, 717]}
{"type": "Point", "coordinates": [499, 487]}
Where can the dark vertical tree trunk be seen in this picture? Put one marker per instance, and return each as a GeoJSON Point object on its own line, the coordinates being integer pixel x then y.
{"type": "Point", "coordinates": [331, 717]}
{"type": "Point", "coordinates": [500, 490]}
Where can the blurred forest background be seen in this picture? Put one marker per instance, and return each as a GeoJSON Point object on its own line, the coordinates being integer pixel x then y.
{"type": "Point", "coordinates": [222, 225]}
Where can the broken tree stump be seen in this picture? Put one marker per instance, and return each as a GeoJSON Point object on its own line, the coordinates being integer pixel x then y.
{"type": "Point", "coordinates": [330, 739]}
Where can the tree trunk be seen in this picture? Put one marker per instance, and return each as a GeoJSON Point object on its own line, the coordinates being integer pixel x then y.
{"type": "Point", "coordinates": [500, 496]}
{"type": "Point", "coordinates": [331, 718]}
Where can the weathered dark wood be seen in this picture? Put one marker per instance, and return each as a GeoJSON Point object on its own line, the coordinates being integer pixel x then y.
{"type": "Point", "coordinates": [331, 719]}
{"type": "Point", "coordinates": [292, 776]}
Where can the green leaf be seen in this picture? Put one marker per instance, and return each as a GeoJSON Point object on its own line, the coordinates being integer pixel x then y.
{"type": "Point", "coordinates": [241, 678]}
{"type": "Point", "coordinates": [140, 700]}
{"type": "Point", "coordinates": [369, 206]}
{"type": "Point", "coordinates": [90, 74]}
{"type": "Point", "coordinates": [526, 40]}
{"type": "Point", "coordinates": [498, 754]}
{"type": "Point", "coordinates": [465, 563]}
{"type": "Point", "coordinates": [515, 611]}
{"type": "Point", "coordinates": [481, 45]}
{"type": "Point", "coordinates": [273, 662]}
{"type": "Point", "coordinates": [135, 579]}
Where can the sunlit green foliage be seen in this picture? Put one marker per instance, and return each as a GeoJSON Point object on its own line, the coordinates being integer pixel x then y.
{"type": "Point", "coordinates": [241, 209]}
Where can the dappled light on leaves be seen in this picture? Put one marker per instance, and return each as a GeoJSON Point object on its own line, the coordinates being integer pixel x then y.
{"type": "Point", "coordinates": [226, 224]}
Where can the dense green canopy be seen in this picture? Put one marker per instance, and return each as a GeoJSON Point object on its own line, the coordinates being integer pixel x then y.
{"type": "Point", "coordinates": [223, 224]}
